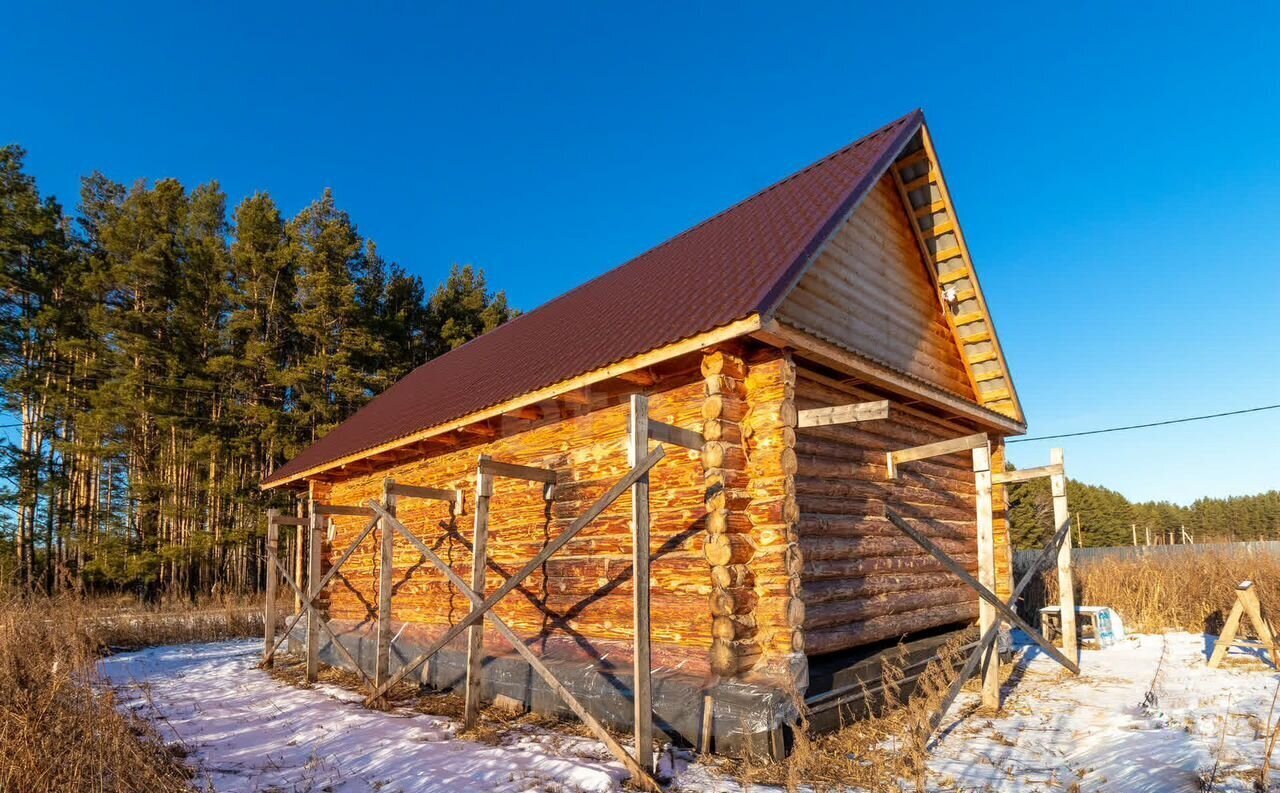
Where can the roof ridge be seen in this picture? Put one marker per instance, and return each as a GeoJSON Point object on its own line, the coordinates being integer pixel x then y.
{"type": "Point", "coordinates": [707, 221]}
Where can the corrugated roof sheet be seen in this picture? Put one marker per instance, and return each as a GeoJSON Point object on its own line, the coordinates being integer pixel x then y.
{"type": "Point", "coordinates": [737, 263]}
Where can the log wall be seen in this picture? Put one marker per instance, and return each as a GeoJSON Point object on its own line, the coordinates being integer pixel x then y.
{"type": "Point", "coordinates": [863, 581]}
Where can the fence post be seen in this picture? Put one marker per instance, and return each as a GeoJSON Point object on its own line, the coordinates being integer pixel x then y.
{"type": "Point", "coordinates": [314, 540]}
{"type": "Point", "coordinates": [382, 665]}
{"type": "Point", "coordinates": [986, 573]}
{"type": "Point", "coordinates": [479, 560]}
{"type": "Point", "coordinates": [1066, 587]}
{"type": "Point", "coordinates": [269, 609]}
{"type": "Point", "coordinates": [637, 450]}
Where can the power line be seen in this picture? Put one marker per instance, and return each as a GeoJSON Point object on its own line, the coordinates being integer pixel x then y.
{"type": "Point", "coordinates": [1144, 426]}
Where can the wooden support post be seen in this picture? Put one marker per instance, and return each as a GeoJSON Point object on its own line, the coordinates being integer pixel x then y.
{"type": "Point", "coordinates": [1066, 587]}
{"type": "Point", "coordinates": [479, 562]}
{"type": "Point", "coordinates": [637, 451]}
{"type": "Point", "coordinates": [299, 543]}
{"type": "Point", "coordinates": [386, 556]}
{"type": "Point", "coordinates": [314, 540]}
{"type": "Point", "coordinates": [269, 611]}
{"type": "Point", "coordinates": [986, 573]}
{"type": "Point", "coordinates": [1134, 527]}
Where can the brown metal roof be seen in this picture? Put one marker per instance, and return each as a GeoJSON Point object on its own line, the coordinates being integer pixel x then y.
{"type": "Point", "coordinates": [736, 264]}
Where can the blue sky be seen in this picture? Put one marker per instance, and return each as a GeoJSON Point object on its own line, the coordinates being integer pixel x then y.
{"type": "Point", "coordinates": [1116, 169]}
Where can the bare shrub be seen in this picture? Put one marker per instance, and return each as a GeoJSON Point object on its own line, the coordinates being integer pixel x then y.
{"type": "Point", "coordinates": [59, 728]}
{"type": "Point", "coordinates": [1187, 591]}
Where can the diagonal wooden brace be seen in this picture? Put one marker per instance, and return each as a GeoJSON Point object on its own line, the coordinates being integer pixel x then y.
{"type": "Point", "coordinates": [980, 651]}
{"type": "Point", "coordinates": [600, 505]}
{"type": "Point", "coordinates": [983, 592]}
{"type": "Point", "coordinates": [306, 601]}
{"type": "Point", "coordinates": [638, 773]}
{"type": "Point", "coordinates": [324, 624]}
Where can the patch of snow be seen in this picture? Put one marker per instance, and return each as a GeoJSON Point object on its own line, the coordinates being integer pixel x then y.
{"type": "Point", "coordinates": [1146, 715]}
{"type": "Point", "coordinates": [249, 732]}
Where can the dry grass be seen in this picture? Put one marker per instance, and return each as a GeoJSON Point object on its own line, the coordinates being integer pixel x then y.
{"type": "Point", "coordinates": [59, 727]}
{"type": "Point", "coordinates": [875, 753]}
{"type": "Point", "coordinates": [1191, 592]}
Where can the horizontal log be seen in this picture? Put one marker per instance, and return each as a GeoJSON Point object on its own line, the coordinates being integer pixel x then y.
{"type": "Point", "coordinates": [722, 363]}
{"type": "Point", "coordinates": [828, 640]}
{"type": "Point", "coordinates": [734, 627]}
{"type": "Point", "coordinates": [733, 575]}
{"type": "Point", "coordinates": [724, 407]}
{"type": "Point", "coordinates": [816, 593]}
{"type": "Point", "coordinates": [843, 414]}
{"type": "Point", "coordinates": [817, 549]}
{"type": "Point", "coordinates": [861, 488]}
{"type": "Point", "coordinates": [717, 430]}
{"type": "Point", "coordinates": [854, 568]}
{"type": "Point", "coordinates": [725, 549]}
{"type": "Point", "coordinates": [846, 612]}
{"type": "Point", "coordinates": [828, 525]}
{"type": "Point", "coordinates": [739, 600]}
{"type": "Point", "coordinates": [840, 505]}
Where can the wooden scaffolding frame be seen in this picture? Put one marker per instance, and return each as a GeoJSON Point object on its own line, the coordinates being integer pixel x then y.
{"type": "Point", "coordinates": [641, 430]}
{"type": "Point", "coordinates": [991, 609]}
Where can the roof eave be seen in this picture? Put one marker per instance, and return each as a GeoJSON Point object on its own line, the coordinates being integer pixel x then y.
{"type": "Point", "coordinates": [742, 327]}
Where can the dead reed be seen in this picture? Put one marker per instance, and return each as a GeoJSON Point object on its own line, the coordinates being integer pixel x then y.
{"type": "Point", "coordinates": [886, 746]}
{"type": "Point", "coordinates": [59, 728]}
{"type": "Point", "coordinates": [1187, 591]}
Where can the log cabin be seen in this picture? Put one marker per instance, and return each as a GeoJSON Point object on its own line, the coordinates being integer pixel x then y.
{"type": "Point", "coordinates": [774, 576]}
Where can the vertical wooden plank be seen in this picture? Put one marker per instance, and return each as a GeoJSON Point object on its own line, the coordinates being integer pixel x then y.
{"type": "Point", "coordinates": [637, 450]}
{"type": "Point", "coordinates": [479, 560]}
{"type": "Point", "coordinates": [299, 542]}
{"type": "Point", "coordinates": [1066, 587]}
{"type": "Point", "coordinates": [315, 536]}
{"type": "Point", "coordinates": [386, 553]}
{"type": "Point", "coordinates": [986, 572]}
{"type": "Point", "coordinates": [269, 609]}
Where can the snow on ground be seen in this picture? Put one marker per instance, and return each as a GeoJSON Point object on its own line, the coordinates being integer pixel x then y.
{"type": "Point", "coordinates": [249, 732]}
{"type": "Point", "coordinates": [1102, 732]}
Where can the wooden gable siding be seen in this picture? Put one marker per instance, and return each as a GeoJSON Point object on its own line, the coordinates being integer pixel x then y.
{"type": "Point", "coordinates": [869, 292]}
{"type": "Point", "coordinates": [863, 581]}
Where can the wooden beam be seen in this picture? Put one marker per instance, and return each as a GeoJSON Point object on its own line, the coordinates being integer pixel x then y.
{"type": "Point", "coordinates": [276, 519]}
{"type": "Point", "coordinates": [575, 398]}
{"type": "Point", "coordinates": [676, 436]}
{"type": "Point", "coordinates": [983, 592]}
{"type": "Point", "coordinates": [479, 561]}
{"type": "Point", "coordinates": [1025, 475]}
{"type": "Point", "coordinates": [333, 571]}
{"type": "Point", "coordinates": [269, 611]}
{"type": "Point", "coordinates": [638, 431]}
{"type": "Point", "coordinates": [641, 377]}
{"type": "Point", "coordinates": [592, 512]}
{"type": "Point", "coordinates": [986, 572]}
{"type": "Point", "coordinates": [526, 413]}
{"type": "Point", "coordinates": [319, 510]}
{"type": "Point", "coordinates": [481, 607]}
{"type": "Point", "coordinates": [415, 491]}
{"type": "Point", "coordinates": [953, 446]}
{"type": "Point", "coordinates": [1066, 586]}
{"type": "Point", "coordinates": [481, 430]}
{"type": "Point", "coordinates": [988, 638]}
{"type": "Point", "coordinates": [314, 539]}
{"type": "Point", "coordinates": [527, 472]}
{"type": "Point", "coordinates": [386, 584]}
{"type": "Point", "coordinates": [843, 414]}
